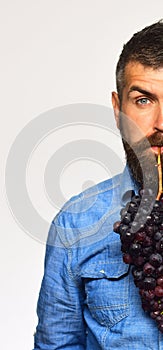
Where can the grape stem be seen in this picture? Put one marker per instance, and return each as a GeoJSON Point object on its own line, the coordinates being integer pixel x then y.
{"type": "Point", "coordinates": [159, 174]}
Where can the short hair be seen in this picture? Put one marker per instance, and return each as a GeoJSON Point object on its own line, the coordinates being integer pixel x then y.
{"type": "Point", "coordinates": [145, 47]}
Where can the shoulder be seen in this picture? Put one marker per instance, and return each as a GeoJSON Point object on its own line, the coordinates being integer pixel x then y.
{"type": "Point", "coordinates": [84, 214]}
{"type": "Point", "coordinates": [90, 204]}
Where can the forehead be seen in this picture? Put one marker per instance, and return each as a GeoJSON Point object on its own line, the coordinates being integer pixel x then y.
{"type": "Point", "coordinates": [136, 73]}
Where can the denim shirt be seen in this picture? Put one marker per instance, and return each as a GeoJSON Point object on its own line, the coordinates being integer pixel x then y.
{"type": "Point", "coordinates": [88, 299]}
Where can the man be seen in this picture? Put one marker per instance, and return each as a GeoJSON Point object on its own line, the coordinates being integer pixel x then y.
{"type": "Point", "coordinates": [88, 299]}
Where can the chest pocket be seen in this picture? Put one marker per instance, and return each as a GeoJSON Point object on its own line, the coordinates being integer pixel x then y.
{"type": "Point", "coordinates": [107, 288]}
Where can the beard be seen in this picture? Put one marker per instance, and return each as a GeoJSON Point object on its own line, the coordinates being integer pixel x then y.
{"type": "Point", "coordinates": [142, 161]}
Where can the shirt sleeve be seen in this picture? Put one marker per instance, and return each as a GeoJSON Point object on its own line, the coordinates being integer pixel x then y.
{"type": "Point", "coordinates": [60, 304]}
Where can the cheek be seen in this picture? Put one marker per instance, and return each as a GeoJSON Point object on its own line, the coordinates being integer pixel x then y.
{"type": "Point", "coordinates": [131, 130]}
{"type": "Point", "coordinates": [134, 126]}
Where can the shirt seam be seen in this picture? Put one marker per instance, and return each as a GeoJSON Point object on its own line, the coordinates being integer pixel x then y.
{"type": "Point", "coordinates": [79, 199]}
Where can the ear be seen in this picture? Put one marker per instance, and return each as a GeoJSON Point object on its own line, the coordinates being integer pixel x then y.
{"type": "Point", "coordinates": [116, 106]}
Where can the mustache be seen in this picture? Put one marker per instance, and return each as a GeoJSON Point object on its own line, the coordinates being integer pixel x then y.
{"type": "Point", "coordinates": [155, 139]}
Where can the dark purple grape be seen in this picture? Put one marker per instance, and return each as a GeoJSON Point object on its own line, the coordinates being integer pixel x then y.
{"type": "Point", "coordinates": [123, 228]}
{"type": "Point", "coordinates": [156, 219]}
{"type": "Point", "coordinates": [135, 249]}
{"type": "Point", "coordinates": [147, 251]}
{"type": "Point", "coordinates": [149, 283]}
{"type": "Point", "coordinates": [147, 242]}
{"type": "Point", "coordinates": [154, 305]}
{"type": "Point", "coordinates": [159, 318]}
{"type": "Point", "coordinates": [137, 273]}
{"type": "Point", "coordinates": [151, 230]}
{"type": "Point", "coordinates": [127, 218]}
{"type": "Point", "coordinates": [132, 208]}
{"type": "Point", "coordinates": [148, 295]}
{"type": "Point", "coordinates": [141, 234]}
{"type": "Point", "coordinates": [149, 220]}
{"type": "Point", "coordinates": [148, 269]}
{"type": "Point", "coordinates": [123, 212]}
{"type": "Point", "coordinates": [161, 226]}
{"type": "Point", "coordinates": [159, 246]}
{"type": "Point", "coordinates": [127, 237]}
{"type": "Point", "coordinates": [160, 306]}
{"type": "Point", "coordinates": [159, 271]}
{"type": "Point", "coordinates": [145, 305]}
{"type": "Point", "coordinates": [157, 205]}
{"type": "Point", "coordinates": [138, 260]}
{"type": "Point", "coordinates": [159, 291]}
{"type": "Point", "coordinates": [127, 259]}
{"type": "Point", "coordinates": [116, 226]}
{"type": "Point", "coordinates": [153, 315]}
{"type": "Point", "coordinates": [160, 281]}
{"type": "Point", "coordinates": [155, 260]}
{"type": "Point", "coordinates": [157, 236]}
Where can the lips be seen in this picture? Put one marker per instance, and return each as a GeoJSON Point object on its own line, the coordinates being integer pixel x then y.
{"type": "Point", "coordinates": [155, 149]}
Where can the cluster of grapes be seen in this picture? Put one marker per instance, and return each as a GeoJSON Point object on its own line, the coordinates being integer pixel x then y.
{"type": "Point", "coordinates": [141, 233]}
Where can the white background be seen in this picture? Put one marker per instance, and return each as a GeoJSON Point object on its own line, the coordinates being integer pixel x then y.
{"type": "Point", "coordinates": [53, 53]}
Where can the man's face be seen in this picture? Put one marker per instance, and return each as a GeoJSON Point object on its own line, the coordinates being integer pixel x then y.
{"type": "Point", "coordinates": [139, 117]}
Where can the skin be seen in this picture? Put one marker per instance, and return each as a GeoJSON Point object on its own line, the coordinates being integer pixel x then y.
{"type": "Point", "coordinates": [142, 102]}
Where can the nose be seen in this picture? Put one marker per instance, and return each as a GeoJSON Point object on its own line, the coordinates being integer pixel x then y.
{"type": "Point", "coordinates": [158, 124]}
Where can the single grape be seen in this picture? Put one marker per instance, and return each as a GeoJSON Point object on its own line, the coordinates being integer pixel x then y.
{"type": "Point", "coordinates": [159, 271]}
{"type": "Point", "coordinates": [159, 291]}
{"type": "Point", "coordinates": [127, 236]}
{"type": "Point", "coordinates": [149, 283]}
{"type": "Point", "coordinates": [159, 246]}
{"type": "Point", "coordinates": [135, 249]}
{"type": "Point", "coordinates": [123, 228]}
{"type": "Point", "coordinates": [140, 236]}
{"type": "Point", "coordinates": [155, 259]}
{"type": "Point", "coordinates": [127, 218]}
{"type": "Point", "coordinates": [127, 259]}
{"type": "Point", "coordinates": [160, 281]}
{"type": "Point", "coordinates": [116, 226]}
{"type": "Point", "coordinates": [148, 295]}
{"type": "Point", "coordinates": [148, 269]}
{"type": "Point", "coordinates": [157, 236]}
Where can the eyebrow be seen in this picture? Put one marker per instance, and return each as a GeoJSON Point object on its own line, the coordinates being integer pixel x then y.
{"type": "Point", "coordinates": [142, 91]}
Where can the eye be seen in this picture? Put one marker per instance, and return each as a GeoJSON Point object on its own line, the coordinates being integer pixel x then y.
{"type": "Point", "coordinates": [143, 101]}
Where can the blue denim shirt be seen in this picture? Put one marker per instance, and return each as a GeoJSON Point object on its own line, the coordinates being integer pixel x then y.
{"type": "Point", "coordinates": [88, 299]}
